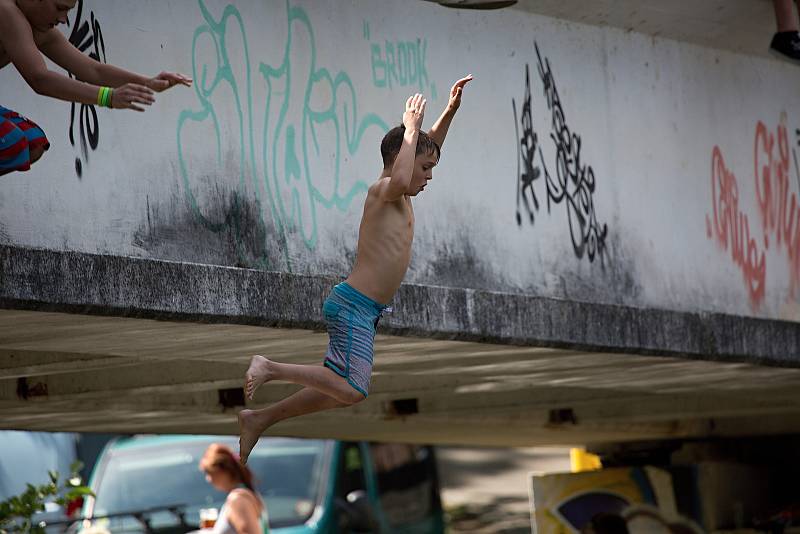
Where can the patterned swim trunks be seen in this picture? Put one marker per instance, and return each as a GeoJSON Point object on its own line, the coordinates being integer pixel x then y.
{"type": "Point", "coordinates": [18, 136]}
{"type": "Point", "coordinates": [352, 319]}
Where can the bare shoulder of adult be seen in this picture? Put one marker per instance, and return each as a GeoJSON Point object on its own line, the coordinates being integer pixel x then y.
{"type": "Point", "coordinates": [244, 506]}
{"type": "Point", "coordinates": [7, 4]}
{"type": "Point", "coordinates": [17, 42]}
{"type": "Point", "coordinates": [9, 15]}
{"type": "Point", "coordinates": [43, 38]}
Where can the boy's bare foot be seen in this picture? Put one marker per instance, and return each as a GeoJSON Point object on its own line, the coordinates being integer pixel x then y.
{"type": "Point", "coordinates": [260, 371]}
{"type": "Point", "coordinates": [249, 432]}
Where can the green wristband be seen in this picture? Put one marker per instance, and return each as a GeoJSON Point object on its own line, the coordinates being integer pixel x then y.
{"type": "Point", "coordinates": [109, 95]}
{"type": "Point", "coordinates": [100, 94]}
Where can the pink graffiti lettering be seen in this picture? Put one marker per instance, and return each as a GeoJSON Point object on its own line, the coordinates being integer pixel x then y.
{"type": "Point", "coordinates": [731, 227]}
{"type": "Point", "coordinates": [780, 213]}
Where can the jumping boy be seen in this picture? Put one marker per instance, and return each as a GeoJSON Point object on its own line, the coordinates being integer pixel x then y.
{"type": "Point", "coordinates": [354, 307]}
{"type": "Point", "coordinates": [28, 30]}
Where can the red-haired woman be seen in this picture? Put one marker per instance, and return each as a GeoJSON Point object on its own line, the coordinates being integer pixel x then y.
{"type": "Point", "coordinates": [243, 511]}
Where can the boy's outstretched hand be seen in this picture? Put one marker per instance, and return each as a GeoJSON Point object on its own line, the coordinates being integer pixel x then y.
{"type": "Point", "coordinates": [414, 113]}
{"type": "Point", "coordinates": [455, 92]}
{"type": "Point", "coordinates": [165, 80]}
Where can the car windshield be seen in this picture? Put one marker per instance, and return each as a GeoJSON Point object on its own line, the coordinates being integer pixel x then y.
{"type": "Point", "coordinates": [154, 478]}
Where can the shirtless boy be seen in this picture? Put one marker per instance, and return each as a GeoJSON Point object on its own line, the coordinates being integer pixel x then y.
{"type": "Point", "coordinates": [28, 30]}
{"type": "Point", "coordinates": [354, 307]}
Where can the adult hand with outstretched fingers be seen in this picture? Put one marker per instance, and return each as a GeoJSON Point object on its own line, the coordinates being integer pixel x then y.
{"type": "Point", "coordinates": [165, 80]}
{"type": "Point", "coordinates": [132, 96]}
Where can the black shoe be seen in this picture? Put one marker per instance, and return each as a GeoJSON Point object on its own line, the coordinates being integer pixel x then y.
{"type": "Point", "coordinates": [786, 46]}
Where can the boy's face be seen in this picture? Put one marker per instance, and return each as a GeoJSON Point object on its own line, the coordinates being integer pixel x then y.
{"type": "Point", "coordinates": [423, 171]}
{"type": "Point", "coordinates": [47, 14]}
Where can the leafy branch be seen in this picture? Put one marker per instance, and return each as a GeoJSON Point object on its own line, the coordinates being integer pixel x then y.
{"type": "Point", "coordinates": [16, 513]}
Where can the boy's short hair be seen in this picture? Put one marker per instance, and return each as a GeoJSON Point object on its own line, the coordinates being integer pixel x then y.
{"type": "Point", "coordinates": [393, 140]}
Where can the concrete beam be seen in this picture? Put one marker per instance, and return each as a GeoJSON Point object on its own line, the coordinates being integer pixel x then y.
{"type": "Point", "coordinates": [346, 424]}
{"type": "Point", "coordinates": [20, 363]}
{"type": "Point", "coordinates": [709, 23]}
{"type": "Point", "coordinates": [514, 395]}
{"type": "Point", "coordinates": [75, 282]}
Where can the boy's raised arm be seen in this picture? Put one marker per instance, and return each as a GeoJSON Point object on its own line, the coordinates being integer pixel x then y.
{"type": "Point", "coordinates": [403, 166]}
{"type": "Point", "coordinates": [439, 130]}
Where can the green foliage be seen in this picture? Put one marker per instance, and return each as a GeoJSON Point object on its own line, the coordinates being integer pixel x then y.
{"type": "Point", "coordinates": [16, 513]}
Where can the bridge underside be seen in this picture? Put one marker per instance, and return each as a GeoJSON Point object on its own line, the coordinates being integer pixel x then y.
{"type": "Point", "coordinates": [743, 26]}
{"type": "Point", "coordinates": [88, 373]}
{"type": "Point", "coordinates": [162, 347]}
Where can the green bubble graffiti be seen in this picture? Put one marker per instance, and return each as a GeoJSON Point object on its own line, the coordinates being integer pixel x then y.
{"type": "Point", "coordinates": [400, 63]}
{"type": "Point", "coordinates": [290, 147]}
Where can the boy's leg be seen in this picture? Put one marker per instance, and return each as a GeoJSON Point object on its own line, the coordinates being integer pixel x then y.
{"type": "Point", "coordinates": [786, 41]}
{"type": "Point", "coordinates": [253, 423]}
{"type": "Point", "coordinates": [784, 15]}
{"type": "Point", "coordinates": [316, 377]}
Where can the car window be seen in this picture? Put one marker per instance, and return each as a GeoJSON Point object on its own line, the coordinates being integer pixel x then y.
{"type": "Point", "coordinates": [288, 478]}
{"type": "Point", "coordinates": [156, 477]}
{"type": "Point", "coordinates": [406, 482]}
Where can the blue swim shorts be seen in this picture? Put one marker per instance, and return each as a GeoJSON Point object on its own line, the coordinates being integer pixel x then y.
{"type": "Point", "coordinates": [352, 319]}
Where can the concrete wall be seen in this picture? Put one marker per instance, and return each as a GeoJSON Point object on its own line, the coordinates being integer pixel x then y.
{"type": "Point", "coordinates": [587, 163]}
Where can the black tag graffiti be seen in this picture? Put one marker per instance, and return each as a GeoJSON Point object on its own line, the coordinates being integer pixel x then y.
{"type": "Point", "coordinates": [526, 152]}
{"type": "Point", "coordinates": [86, 35]}
{"type": "Point", "coordinates": [574, 182]}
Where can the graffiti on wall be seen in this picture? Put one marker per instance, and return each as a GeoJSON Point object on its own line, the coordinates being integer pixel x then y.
{"type": "Point", "coordinates": [730, 227]}
{"type": "Point", "coordinates": [572, 183]}
{"type": "Point", "coordinates": [778, 210]}
{"type": "Point", "coordinates": [527, 171]}
{"type": "Point", "coordinates": [400, 63]}
{"type": "Point", "coordinates": [86, 36]}
{"type": "Point", "coordinates": [310, 122]}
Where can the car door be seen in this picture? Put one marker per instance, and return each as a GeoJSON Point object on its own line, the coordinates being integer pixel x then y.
{"type": "Point", "coordinates": [407, 488]}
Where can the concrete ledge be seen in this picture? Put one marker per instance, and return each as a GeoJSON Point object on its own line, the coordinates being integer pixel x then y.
{"type": "Point", "coordinates": [76, 282]}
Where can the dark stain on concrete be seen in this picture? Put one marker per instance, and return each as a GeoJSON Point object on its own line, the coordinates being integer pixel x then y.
{"type": "Point", "coordinates": [339, 264]}
{"type": "Point", "coordinates": [458, 264]}
{"type": "Point", "coordinates": [455, 262]}
{"type": "Point", "coordinates": [615, 280]}
{"type": "Point", "coordinates": [460, 261]}
{"type": "Point", "coordinates": [234, 233]}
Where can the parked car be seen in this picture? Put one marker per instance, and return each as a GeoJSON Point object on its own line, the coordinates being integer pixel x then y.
{"type": "Point", "coordinates": [153, 484]}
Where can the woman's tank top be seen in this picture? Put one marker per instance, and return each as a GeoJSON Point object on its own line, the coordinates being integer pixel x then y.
{"type": "Point", "coordinates": [224, 526]}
